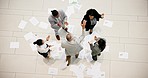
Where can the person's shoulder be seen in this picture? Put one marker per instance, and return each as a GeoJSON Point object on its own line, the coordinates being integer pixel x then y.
{"type": "Point", "coordinates": [60, 11]}
{"type": "Point", "coordinates": [50, 17]}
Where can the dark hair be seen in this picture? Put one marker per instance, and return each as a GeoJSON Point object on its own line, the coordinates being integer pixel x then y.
{"type": "Point", "coordinates": [102, 44]}
{"type": "Point", "coordinates": [91, 12]}
{"type": "Point", "coordinates": [54, 12]}
{"type": "Point", "coordinates": [38, 42]}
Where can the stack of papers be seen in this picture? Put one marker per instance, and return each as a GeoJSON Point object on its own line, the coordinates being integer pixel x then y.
{"type": "Point", "coordinates": [34, 21]}
{"type": "Point", "coordinates": [14, 44]}
{"type": "Point", "coordinates": [22, 24]}
{"type": "Point", "coordinates": [108, 23]}
{"type": "Point", "coordinates": [123, 55]}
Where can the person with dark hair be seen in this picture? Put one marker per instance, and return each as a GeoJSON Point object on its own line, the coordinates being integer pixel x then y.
{"type": "Point", "coordinates": [72, 45]}
{"type": "Point", "coordinates": [90, 19]}
{"type": "Point", "coordinates": [98, 47]}
{"type": "Point", "coordinates": [57, 20]}
{"type": "Point", "coordinates": [43, 48]}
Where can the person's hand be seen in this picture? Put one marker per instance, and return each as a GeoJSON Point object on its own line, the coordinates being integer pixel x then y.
{"type": "Point", "coordinates": [47, 38]}
{"type": "Point", "coordinates": [84, 24]}
{"type": "Point", "coordinates": [89, 43]}
{"type": "Point", "coordinates": [66, 23]}
{"type": "Point", "coordinates": [50, 45]}
{"type": "Point", "coordinates": [102, 15]}
{"type": "Point", "coordinates": [59, 24]}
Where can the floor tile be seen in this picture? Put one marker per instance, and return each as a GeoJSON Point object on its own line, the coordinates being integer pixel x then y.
{"type": "Point", "coordinates": [138, 29]}
{"type": "Point", "coordinates": [138, 69]}
{"type": "Point", "coordinates": [17, 63]}
{"type": "Point", "coordinates": [137, 53]}
{"type": "Point", "coordinates": [6, 45]}
{"type": "Point", "coordinates": [26, 5]}
{"type": "Point", "coordinates": [7, 75]}
{"type": "Point", "coordinates": [128, 7]}
{"type": "Point", "coordinates": [4, 3]}
{"type": "Point", "coordinates": [14, 21]}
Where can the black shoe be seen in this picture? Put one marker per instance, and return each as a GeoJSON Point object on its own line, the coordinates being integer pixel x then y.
{"type": "Point", "coordinates": [90, 32]}
{"type": "Point", "coordinates": [99, 54]}
{"type": "Point", "coordinates": [58, 37]}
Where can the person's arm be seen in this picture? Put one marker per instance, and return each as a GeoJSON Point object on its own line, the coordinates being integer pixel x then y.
{"type": "Point", "coordinates": [91, 45]}
{"type": "Point", "coordinates": [96, 38]}
{"type": "Point", "coordinates": [80, 39]}
{"type": "Point", "coordinates": [53, 24]}
{"type": "Point", "coordinates": [65, 18]}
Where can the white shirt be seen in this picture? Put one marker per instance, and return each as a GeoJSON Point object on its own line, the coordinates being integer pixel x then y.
{"type": "Point", "coordinates": [43, 48]}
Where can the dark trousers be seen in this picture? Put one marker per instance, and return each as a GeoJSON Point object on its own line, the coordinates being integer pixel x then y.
{"type": "Point", "coordinates": [89, 27]}
{"type": "Point", "coordinates": [44, 54]}
{"type": "Point", "coordinates": [94, 58]}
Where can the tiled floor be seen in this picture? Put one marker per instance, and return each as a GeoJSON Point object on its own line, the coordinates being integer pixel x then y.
{"type": "Point", "coordinates": [129, 33]}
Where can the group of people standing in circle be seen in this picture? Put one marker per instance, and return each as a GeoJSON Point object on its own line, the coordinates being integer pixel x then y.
{"type": "Point", "coordinates": [58, 19]}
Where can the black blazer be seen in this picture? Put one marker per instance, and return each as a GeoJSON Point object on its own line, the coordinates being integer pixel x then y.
{"type": "Point", "coordinates": [86, 17]}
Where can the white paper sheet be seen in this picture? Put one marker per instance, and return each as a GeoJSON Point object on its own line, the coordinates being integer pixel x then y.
{"type": "Point", "coordinates": [69, 11]}
{"type": "Point", "coordinates": [53, 71]}
{"type": "Point", "coordinates": [43, 25]}
{"type": "Point", "coordinates": [123, 55]}
{"type": "Point", "coordinates": [34, 21]}
{"type": "Point", "coordinates": [70, 28]}
{"type": "Point", "coordinates": [29, 36]}
{"type": "Point", "coordinates": [33, 47]}
{"type": "Point", "coordinates": [78, 70]}
{"type": "Point", "coordinates": [108, 23]}
{"type": "Point", "coordinates": [22, 24]}
{"type": "Point", "coordinates": [14, 44]}
{"type": "Point", "coordinates": [88, 57]}
{"type": "Point", "coordinates": [78, 6]}
{"type": "Point", "coordinates": [73, 1]}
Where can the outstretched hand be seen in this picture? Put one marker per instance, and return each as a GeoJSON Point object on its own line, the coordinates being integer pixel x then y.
{"type": "Point", "coordinates": [47, 38]}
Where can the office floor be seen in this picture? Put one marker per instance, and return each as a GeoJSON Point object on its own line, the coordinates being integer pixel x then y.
{"type": "Point", "coordinates": [129, 33]}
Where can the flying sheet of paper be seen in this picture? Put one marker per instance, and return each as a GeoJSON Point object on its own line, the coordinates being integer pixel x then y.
{"type": "Point", "coordinates": [82, 54]}
{"type": "Point", "coordinates": [102, 74]}
{"type": "Point", "coordinates": [108, 23]}
{"type": "Point", "coordinates": [34, 21]}
{"type": "Point", "coordinates": [43, 25]}
{"type": "Point", "coordinates": [78, 70]}
{"type": "Point", "coordinates": [88, 57]}
{"type": "Point", "coordinates": [64, 65]}
{"type": "Point", "coordinates": [50, 9]}
{"type": "Point", "coordinates": [33, 47]}
{"type": "Point", "coordinates": [14, 44]}
{"type": "Point", "coordinates": [106, 49]}
{"type": "Point", "coordinates": [123, 55]}
{"type": "Point", "coordinates": [70, 28]}
{"type": "Point", "coordinates": [22, 24]}
{"type": "Point", "coordinates": [73, 1]}
{"type": "Point", "coordinates": [69, 11]}
{"type": "Point", "coordinates": [53, 71]}
{"type": "Point", "coordinates": [78, 6]}
{"type": "Point", "coordinates": [29, 36]}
